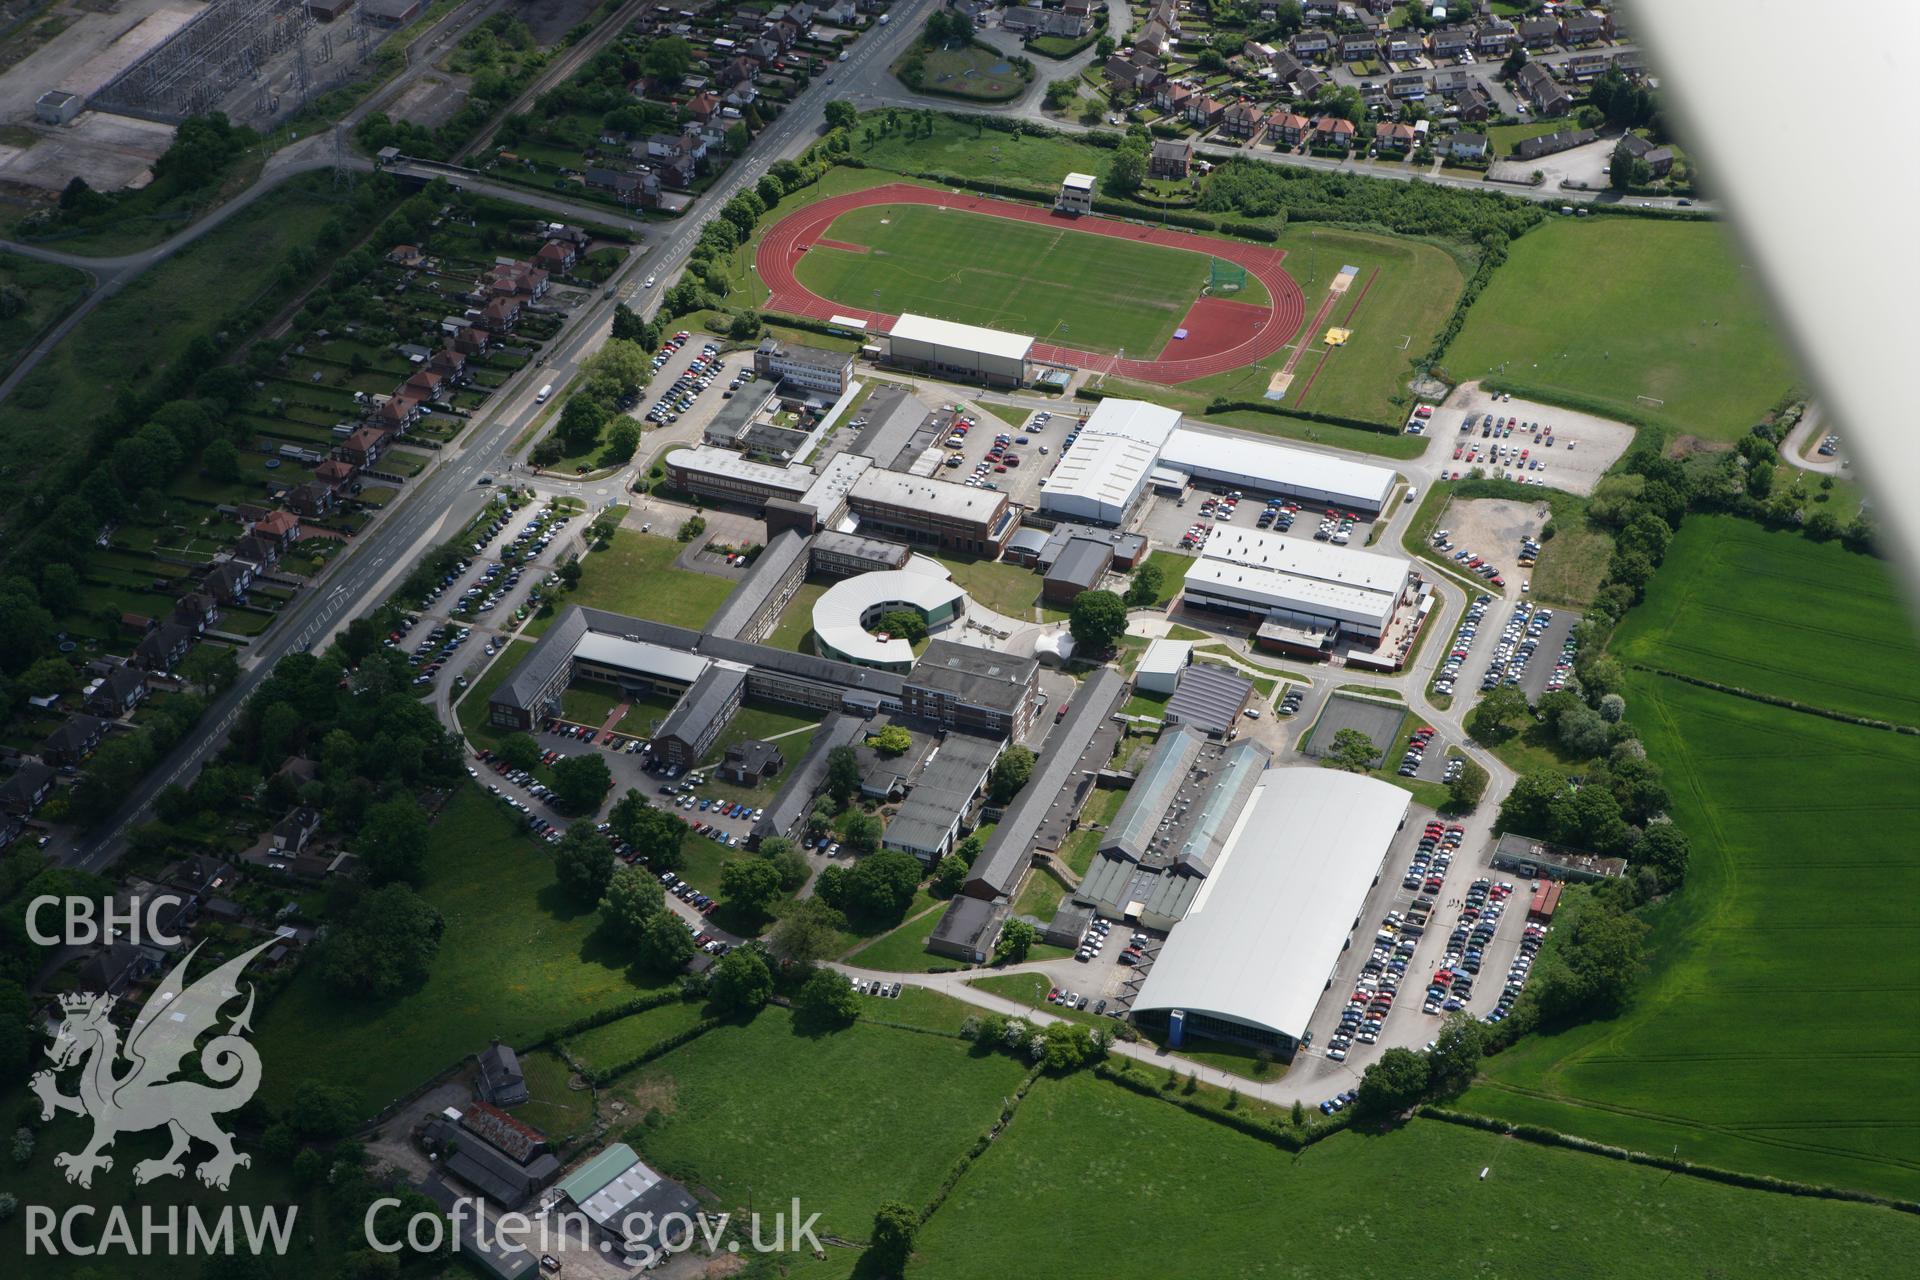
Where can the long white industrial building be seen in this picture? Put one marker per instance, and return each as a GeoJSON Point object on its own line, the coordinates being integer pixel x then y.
{"type": "Point", "coordinates": [1298, 582]}
{"type": "Point", "coordinates": [1240, 462]}
{"type": "Point", "coordinates": [1253, 955]}
{"type": "Point", "coordinates": [990, 355]}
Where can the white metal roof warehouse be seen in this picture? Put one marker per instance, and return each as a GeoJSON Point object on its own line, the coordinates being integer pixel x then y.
{"type": "Point", "coordinates": [923, 342]}
{"type": "Point", "coordinates": [1132, 419]}
{"type": "Point", "coordinates": [1297, 580]}
{"type": "Point", "coordinates": [1244, 463]}
{"type": "Point", "coordinates": [1255, 951]}
{"type": "Point", "coordinates": [1099, 479]}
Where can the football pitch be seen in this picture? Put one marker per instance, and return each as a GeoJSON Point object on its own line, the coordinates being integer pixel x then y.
{"type": "Point", "coordinates": [1053, 284]}
{"type": "Point", "coordinates": [1778, 1030]}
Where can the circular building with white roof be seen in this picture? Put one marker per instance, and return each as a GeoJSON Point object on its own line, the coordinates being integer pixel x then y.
{"type": "Point", "coordinates": [845, 611]}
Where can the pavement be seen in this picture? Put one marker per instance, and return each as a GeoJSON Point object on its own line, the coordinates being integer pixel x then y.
{"type": "Point", "coordinates": [1801, 445]}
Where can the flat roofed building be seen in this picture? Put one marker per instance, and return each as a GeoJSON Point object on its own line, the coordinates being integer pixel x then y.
{"type": "Point", "coordinates": [1099, 479]}
{"type": "Point", "coordinates": [988, 355]}
{"type": "Point", "coordinates": [717, 473]}
{"type": "Point", "coordinates": [1076, 194]}
{"type": "Point", "coordinates": [1258, 946]}
{"type": "Point", "coordinates": [927, 822]}
{"type": "Point", "coordinates": [978, 521]}
{"type": "Point", "coordinates": [814, 368]}
{"type": "Point", "coordinates": [1240, 462]}
{"type": "Point", "coordinates": [1161, 665]}
{"type": "Point", "coordinates": [1298, 581]}
{"type": "Point", "coordinates": [962, 686]}
{"type": "Point", "coordinates": [840, 555]}
{"type": "Point", "coordinates": [845, 611]}
{"type": "Point", "coordinates": [1140, 420]}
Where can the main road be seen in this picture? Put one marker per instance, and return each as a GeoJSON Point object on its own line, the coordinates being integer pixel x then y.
{"type": "Point", "coordinates": [447, 493]}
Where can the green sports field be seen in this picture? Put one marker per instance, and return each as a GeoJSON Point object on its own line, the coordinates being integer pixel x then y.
{"type": "Point", "coordinates": [1085, 1161]}
{"type": "Point", "coordinates": [1054, 283]}
{"type": "Point", "coordinates": [1765, 609]}
{"type": "Point", "coordinates": [1597, 312]}
{"type": "Point", "coordinates": [1778, 1031]}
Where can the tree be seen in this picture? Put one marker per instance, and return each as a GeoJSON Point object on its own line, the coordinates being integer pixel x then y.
{"type": "Point", "coordinates": [322, 1111]}
{"type": "Point", "coordinates": [386, 945]}
{"type": "Point", "coordinates": [894, 1228]}
{"type": "Point", "coordinates": [393, 843]}
{"type": "Point", "coordinates": [580, 421]}
{"type": "Point", "coordinates": [1823, 526]}
{"type": "Point", "coordinates": [1515, 60]}
{"type": "Point", "coordinates": [1491, 721]}
{"type": "Point", "coordinates": [1591, 966]}
{"type": "Point", "coordinates": [1097, 619]}
{"type": "Point", "coordinates": [583, 864]}
{"type": "Point", "coordinates": [908, 624]}
{"type": "Point", "coordinates": [737, 139]}
{"type": "Point", "coordinates": [843, 775]}
{"type": "Point", "coordinates": [619, 366]}
{"type": "Point", "coordinates": [632, 898]}
{"type": "Point", "coordinates": [809, 931]}
{"type": "Point", "coordinates": [878, 888]}
{"type": "Point", "coordinates": [50, 676]}
{"type": "Point", "coordinates": [826, 1001]}
{"type": "Point", "coordinates": [1455, 1056]}
{"type": "Point", "coordinates": [519, 751]}
{"type": "Point", "coordinates": [210, 668]}
{"type": "Point", "coordinates": [1353, 751]}
{"type": "Point", "coordinates": [1393, 1084]}
{"type": "Point", "coordinates": [580, 781]}
{"type": "Point", "coordinates": [664, 945]}
{"type": "Point", "coordinates": [1468, 786]}
{"type": "Point", "coordinates": [1010, 773]}
{"type": "Point", "coordinates": [750, 886]}
{"type": "Point", "coordinates": [742, 983]}
{"type": "Point", "coordinates": [1666, 849]}
{"type": "Point", "coordinates": [863, 832]}
{"type": "Point", "coordinates": [1127, 171]}
{"type": "Point", "coordinates": [1582, 731]}
{"type": "Point", "coordinates": [220, 460]}
{"type": "Point", "coordinates": [667, 59]}
{"type": "Point", "coordinates": [745, 326]}
{"type": "Point", "coordinates": [950, 875]}
{"type": "Point", "coordinates": [623, 438]}
{"type": "Point", "coordinates": [840, 113]}
{"type": "Point", "coordinates": [1016, 939]}
{"type": "Point", "coordinates": [1526, 808]}
{"type": "Point", "coordinates": [891, 741]}
{"type": "Point", "coordinates": [1144, 588]}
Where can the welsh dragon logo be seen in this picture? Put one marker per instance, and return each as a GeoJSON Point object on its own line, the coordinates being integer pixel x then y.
{"type": "Point", "coordinates": [143, 1096]}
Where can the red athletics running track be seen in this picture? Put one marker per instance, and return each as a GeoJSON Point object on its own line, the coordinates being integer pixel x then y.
{"type": "Point", "coordinates": [793, 235]}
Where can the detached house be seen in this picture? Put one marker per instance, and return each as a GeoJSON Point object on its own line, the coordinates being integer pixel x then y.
{"type": "Point", "coordinates": [406, 255]}
{"type": "Point", "coordinates": [558, 255]}
{"type": "Point", "coordinates": [196, 611]}
{"type": "Point", "coordinates": [1288, 129]}
{"type": "Point", "coordinates": [449, 363]}
{"type": "Point", "coordinates": [27, 789]}
{"type": "Point", "coordinates": [1244, 121]}
{"type": "Point", "coordinates": [500, 315]}
{"type": "Point", "coordinates": [362, 448]}
{"type": "Point", "coordinates": [1391, 135]}
{"type": "Point", "coordinates": [703, 106]}
{"type": "Point", "coordinates": [163, 648]}
{"type": "Point", "coordinates": [1659, 160]}
{"type": "Point", "coordinates": [116, 692]}
{"type": "Point", "coordinates": [1475, 103]}
{"type": "Point", "coordinates": [1312, 46]}
{"type": "Point", "coordinates": [1173, 97]}
{"type": "Point", "coordinates": [262, 553]}
{"type": "Point", "coordinates": [1170, 158]}
{"type": "Point", "coordinates": [292, 833]}
{"type": "Point", "coordinates": [471, 341]}
{"type": "Point", "coordinates": [312, 499]}
{"type": "Point", "coordinates": [73, 740]}
{"type": "Point", "coordinates": [423, 386]}
{"type": "Point", "coordinates": [1333, 131]}
{"type": "Point", "coordinates": [1136, 71]}
{"type": "Point", "coordinates": [282, 527]}
{"type": "Point", "coordinates": [334, 474]}
{"type": "Point", "coordinates": [1468, 146]}
{"type": "Point", "coordinates": [228, 581]}
{"type": "Point", "coordinates": [1205, 111]}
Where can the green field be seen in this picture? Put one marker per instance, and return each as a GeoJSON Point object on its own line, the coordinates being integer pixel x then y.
{"type": "Point", "coordinates": [1393, 325]}
{"type": "Point", "coordinates": [973, 71]}
{"type": "Point", "coordinates": [516, 959]}
{"type": "Point", "coordinates": [129, 341]}
{"type": "Point", "coordinates": [759, 1114]}
{"type": "Point", "coordinates": [1239, 1207]}
{"type": "Point", "coordinates": [1053, 283]}
{"type": "Point", "coordinates": [904, 950]}
{"type": "Point", "coordinates": [1771, 611]}
{"type": "Point", "coordinates": [45, 292]}
{"type": "Point", "coordinates": [1772, 1035]}
{"type": "Point", "coordinates": [1674, 315]}
{"type": "Point", "coordinates": [618, 1042]}
{"type": "Point", "coordinates": [636, 576]}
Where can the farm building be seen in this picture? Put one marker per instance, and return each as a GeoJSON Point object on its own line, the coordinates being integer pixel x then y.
{"type": "Point", "coordinates": [1298, 582]}
{"type": "Point", "coordinates": [1254, 952]}
{"type": "Point", "coordinates": [986, 355]}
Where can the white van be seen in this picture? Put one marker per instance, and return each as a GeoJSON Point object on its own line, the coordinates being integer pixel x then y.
{"type": "Point", "coordinates": [544, 393]}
